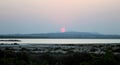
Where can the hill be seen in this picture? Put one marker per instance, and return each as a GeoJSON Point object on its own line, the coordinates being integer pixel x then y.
{"type": "Point", "coordinates": [61, 35]}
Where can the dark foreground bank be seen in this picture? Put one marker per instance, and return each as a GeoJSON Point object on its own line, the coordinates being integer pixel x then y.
{"type": "Point", "coordinates": [9, 56]}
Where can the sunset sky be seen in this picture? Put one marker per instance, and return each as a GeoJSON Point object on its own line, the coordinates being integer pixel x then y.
{"type": "Point", "coordinates": [45, 16]}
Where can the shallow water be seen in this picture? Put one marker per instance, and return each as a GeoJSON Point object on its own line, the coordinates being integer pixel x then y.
{"type": "Point", "coordinates": [63, 41]}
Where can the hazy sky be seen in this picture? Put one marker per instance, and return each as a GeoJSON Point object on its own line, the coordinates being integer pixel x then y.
{"type": "Point", "coordinates": [43, 16]}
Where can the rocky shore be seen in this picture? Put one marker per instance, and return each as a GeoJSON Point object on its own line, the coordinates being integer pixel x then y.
{"type": "Point", "coordinates": [59, 54]}
{"type": "Point", "coordinates": [63, 48]}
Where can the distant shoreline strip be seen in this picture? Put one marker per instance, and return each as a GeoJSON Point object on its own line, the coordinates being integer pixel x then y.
{"type": "Point", "coordinates": [10, 40]}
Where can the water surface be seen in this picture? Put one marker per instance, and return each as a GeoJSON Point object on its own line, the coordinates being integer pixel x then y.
{"type": "Point", "coordinates": [63, 41]}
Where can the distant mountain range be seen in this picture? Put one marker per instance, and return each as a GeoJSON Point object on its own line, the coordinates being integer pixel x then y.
{"type": "Point", "coordinates": [62, 35]}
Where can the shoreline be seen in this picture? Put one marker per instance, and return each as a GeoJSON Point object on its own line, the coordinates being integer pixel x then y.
{"type": "Point", "coordinates": [59, 54]}
{"type": "Point", "coordinates": [63, 48]}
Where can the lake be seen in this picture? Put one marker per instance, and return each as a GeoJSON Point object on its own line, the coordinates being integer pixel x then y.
{"type": "Point", "coordinates": [62, 41]}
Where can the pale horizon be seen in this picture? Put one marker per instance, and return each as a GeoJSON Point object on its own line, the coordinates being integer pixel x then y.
{"type": "Point", "coordinates": [46, 16]}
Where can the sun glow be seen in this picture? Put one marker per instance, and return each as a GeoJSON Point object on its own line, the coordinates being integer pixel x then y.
{"type": "Point", "coordinates": [63, 29]}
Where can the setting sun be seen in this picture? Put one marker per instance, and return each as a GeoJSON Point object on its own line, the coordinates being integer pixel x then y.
{"type": "Point", "coordinates": [63, 29]}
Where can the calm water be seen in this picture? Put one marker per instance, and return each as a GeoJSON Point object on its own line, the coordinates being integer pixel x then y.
{"type": "Point", "coordinates": [64, 41]}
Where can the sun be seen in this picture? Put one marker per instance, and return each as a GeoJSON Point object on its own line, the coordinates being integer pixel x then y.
{"type": "Point", "coordinates": [62, 30]}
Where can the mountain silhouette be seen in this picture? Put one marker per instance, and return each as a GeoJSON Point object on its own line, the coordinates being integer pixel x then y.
{"type": "Point", "coordinates": [61, 35]}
